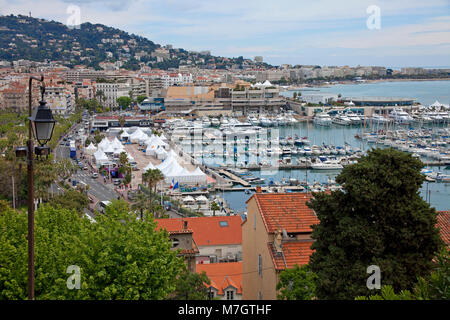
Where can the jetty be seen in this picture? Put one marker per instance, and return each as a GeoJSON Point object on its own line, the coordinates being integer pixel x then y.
{"type": "Point", "coordinates": [234, 178]}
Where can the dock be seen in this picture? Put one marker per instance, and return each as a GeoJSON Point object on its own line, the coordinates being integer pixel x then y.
{"type": "Point", "coordinates": [264, 189]}
{"type": "Point", "coordinates": [234, 178]}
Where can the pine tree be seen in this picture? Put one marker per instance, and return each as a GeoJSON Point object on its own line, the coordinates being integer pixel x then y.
{"type": "Point", "coordinates": [378, 219]}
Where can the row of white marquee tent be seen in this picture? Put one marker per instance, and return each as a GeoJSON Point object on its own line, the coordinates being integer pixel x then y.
{"type": "Point", "coordinates": [157, 147]}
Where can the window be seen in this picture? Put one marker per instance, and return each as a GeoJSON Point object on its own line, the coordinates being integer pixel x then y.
{"type": "Point", "coordinates": [260, 265]}
{"type": "Point", "coordinates": [230, 295]}
{"type": "Point", "coordinates": [211, 295]}
{"type": "Point", "coordinates": [259, 295]}
{"type": "Point", "coordinates": [175, 242]}
{"type": "Point", "coordinates": [254, 222]}
{"type": "Point", "coordinates": [223, 223]}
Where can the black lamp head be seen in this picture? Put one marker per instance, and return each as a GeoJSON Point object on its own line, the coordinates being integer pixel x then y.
{"type": "Point", "coordinates": [43, 123]}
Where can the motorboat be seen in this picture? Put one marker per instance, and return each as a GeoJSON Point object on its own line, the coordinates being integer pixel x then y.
{"type": "Point", "coordinates": [400, 116]}
{"type": "Point", "coordinates": [376, 118]}
{"type": "Point", "coordinates": [341, 119]}
{"type": "Point", "coordinates": [354, 118]}
{"type": "Point", "coordinates": [326, 165]}
{"type": "Point", "coordinates": [322, 119]}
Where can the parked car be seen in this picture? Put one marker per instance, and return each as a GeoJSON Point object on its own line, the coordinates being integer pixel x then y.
{"type": "Point", "coordinates": [116, 182]}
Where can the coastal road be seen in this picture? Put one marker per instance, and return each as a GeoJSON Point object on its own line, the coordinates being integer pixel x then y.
{"type": "Point", "coordinates": [96, 188]}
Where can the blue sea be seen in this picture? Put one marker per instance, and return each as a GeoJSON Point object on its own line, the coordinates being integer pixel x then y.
{"type": "Point", "coordinates": [426, 92]}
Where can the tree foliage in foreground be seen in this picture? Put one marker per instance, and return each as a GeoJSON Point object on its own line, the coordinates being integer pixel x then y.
{"type": "Point", "coordinates": [297, 283]}
{"type": "Point", "coordinates": [378, 219]}
{"type": "Point", "coordinates": [434, 287]}
{"type": "Point", "coordinates": [191, 286]}
{"type": "Point", "coordinates": [119, 256]}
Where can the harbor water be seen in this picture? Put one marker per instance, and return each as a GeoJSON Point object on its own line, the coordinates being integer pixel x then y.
{"type": "Point", "coordinates": [425, 92]}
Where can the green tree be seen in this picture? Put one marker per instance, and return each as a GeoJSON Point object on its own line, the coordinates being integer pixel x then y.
{"type": "Point", "coordinates": [191, 286]}
{"type": "Point", "coordinates": [434, 287]}
{"type": "Point", "coordinates": [141, 204]}
{"type": "Point", "coordinates": [124, 101]}
{"type": "Point", "coordinates": [119, 257]}
{"type": "Point", "coordinates": [378, 219]}
{"type": "Point", "coordinates": [140, 99]}
{"type": "Point", "coordinates": [71, 199]}
{"type": "Point", "coordinates": [152, 177]}
{"type": "Point", "coordinates": [214, 207]}
{"type": "Point", "coordinates": [297, 283]}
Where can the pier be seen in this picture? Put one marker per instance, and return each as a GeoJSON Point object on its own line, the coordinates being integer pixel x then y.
{"type": "Point", "coordinates": [264, 189]}
{"type": "Point", "coordinates": [234, 178]}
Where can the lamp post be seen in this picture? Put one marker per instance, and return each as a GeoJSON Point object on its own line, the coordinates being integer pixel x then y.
{"type": "Point", "coordinates": [41, 124]}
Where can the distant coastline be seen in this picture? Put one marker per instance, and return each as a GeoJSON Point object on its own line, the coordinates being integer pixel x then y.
{"type": "Point", "coordinates": [329, 84]}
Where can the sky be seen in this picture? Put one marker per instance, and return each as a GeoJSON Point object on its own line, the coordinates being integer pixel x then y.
{"type": "Point", "coordinates": [390, 33]}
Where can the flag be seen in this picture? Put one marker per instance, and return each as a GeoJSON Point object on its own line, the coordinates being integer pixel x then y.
{"type": "Point", "coordinates": [171, 184]}
{"type": "Point", "coordinates": [175, 186]}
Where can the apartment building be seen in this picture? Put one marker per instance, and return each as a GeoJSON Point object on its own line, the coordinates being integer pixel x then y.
{"type": "Point", "coordinates": [275, 236]}
{"type": "Point", "coordinates": [59, 99]}
{"type": "Point", "coordinates": [226, 280]}
{"type": "Point", "coordinates": [252, 100]}
{"type": "Point", "coordinates": [111, 92]}
{"type": "Point", "coordinates": [218, 238]}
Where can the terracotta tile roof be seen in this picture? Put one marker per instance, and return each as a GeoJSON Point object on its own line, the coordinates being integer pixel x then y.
{"type": "Point", "coordinates": [294, 252]}
{"type": "Point", "coordinates": [223, 275]}
{"type": "Point", "coordinates": [207, 231]}
{"type": "Point", "coordinates": [286, 211]}
{"type": "Point", "coordinates": [443, 224]}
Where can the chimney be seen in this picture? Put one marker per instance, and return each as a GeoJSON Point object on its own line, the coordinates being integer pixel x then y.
{"type": "Point", "coordinates": [278, 242]}
{"type": "Point", "coordinates": [185, 225]}
{"type": "Point", "coordinates": [258, 189]}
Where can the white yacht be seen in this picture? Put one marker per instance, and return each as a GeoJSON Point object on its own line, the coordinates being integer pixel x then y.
{"type": "Point", "coordinates": [265, 122]}
{"type": "Point", "coordinates": [327, 165]}
{"type": "Point", "coordinates": [253, 120]}
{"type": "Point", "coordinates": [376, 118]}
{"type": "Point", "coordinates": [400, 116]}
{"type": "Point", "coordinates": [281, 120]}
{"type": "Point", "coordinates": [354, 118]}
{"type": "Point", "coordinates": [322, 119]}
{"type": "Point", "coordinates": [342, 120]}
{"type": "Point", "coordinates": [215, 122]}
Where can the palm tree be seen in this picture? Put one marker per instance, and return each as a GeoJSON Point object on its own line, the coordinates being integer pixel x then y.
{"type": "Point", "coordinates": [214, 207]}
{"type": "Point", "coordinates": [152, 177]}
{"type": "Point", "coordinates": [142, 203]}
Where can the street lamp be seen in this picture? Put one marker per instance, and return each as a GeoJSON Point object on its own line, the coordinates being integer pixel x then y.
{"type": "Point", "coordinates": [41, 123]}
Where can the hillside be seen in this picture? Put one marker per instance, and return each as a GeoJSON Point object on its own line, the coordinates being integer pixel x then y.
{"type": "Point", "coordinates": [28, 38]}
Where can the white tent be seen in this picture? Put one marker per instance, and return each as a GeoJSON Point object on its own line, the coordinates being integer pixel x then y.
{"type": "Point", "coordinates": [138, 136]}
{"type": "Point", "coordinates": [161, 153]}
{"type": "Point", "coordinates": [150, 166]}
{"type": "Point", "coordinates": [201, 198]}
{"type": "Point", "coordinates": [436, 104]}
{"type": "Point", "coordinates": [163, 138]}
{"type": "Point", "coordinates": [109, 148]}
{"type": "Point", "coordinates": [124, 135]}
{"type": "Point", "coordinates": [90, 149]}
{"type": "Point", "coordinates": [188, 199]}
{"type": "Point", "coordinates": [104, 143]}
{"type": "Point", "coordinates": [100, 157]}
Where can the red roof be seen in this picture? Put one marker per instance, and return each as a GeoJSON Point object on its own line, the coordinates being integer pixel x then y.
{"type": "Point", "coordinates": [223, 275]}
{"type": "Point", "coordinates": [294, 252]}
{"type": "Point", "coordinates": [443, 224]}
{"type": "Point", "coordinates": [207, 231]}
{"type": "Point", "coordinates": [286, 211]}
